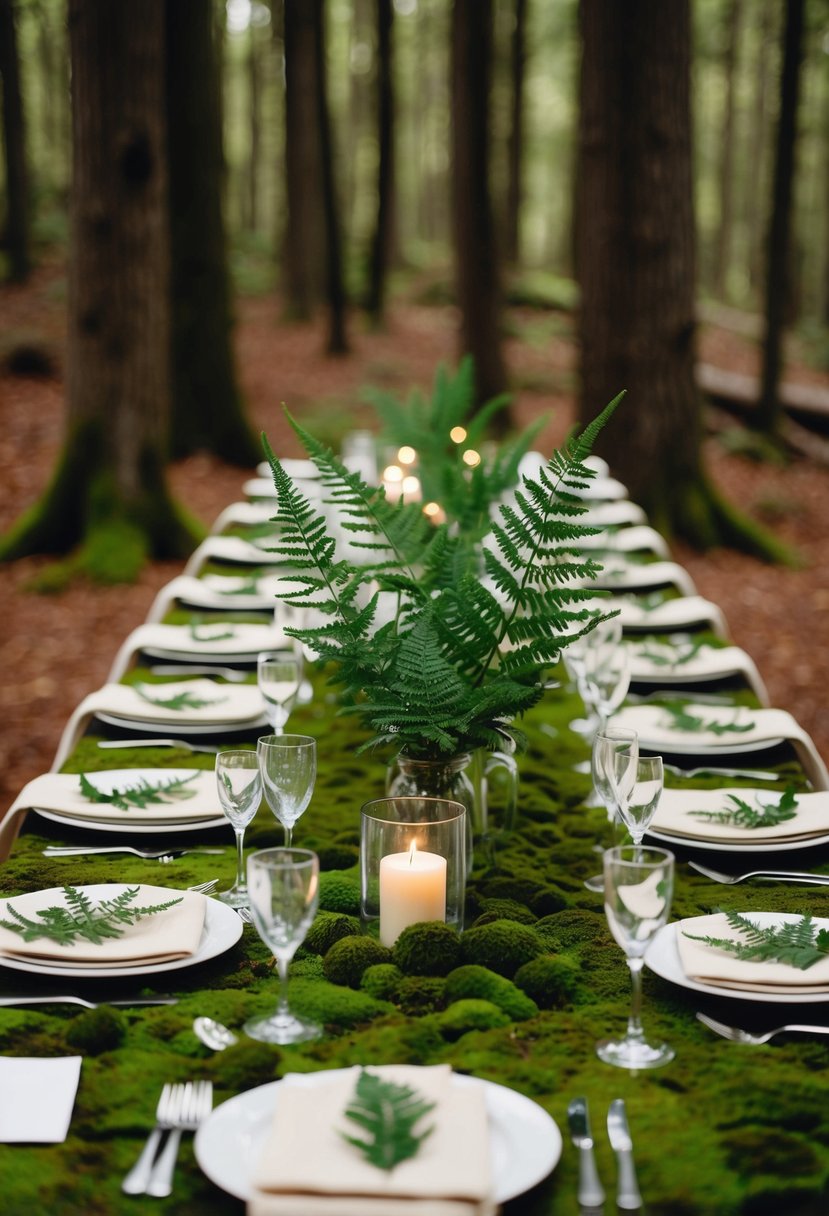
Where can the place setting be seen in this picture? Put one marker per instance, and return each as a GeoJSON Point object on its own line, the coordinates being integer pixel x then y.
{"type": "Point", "coordinates": [219, 639]}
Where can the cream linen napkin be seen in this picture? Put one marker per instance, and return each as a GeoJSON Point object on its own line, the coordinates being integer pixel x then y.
{"type": "Point", "coordinates": [673, 816]}
{"type": "Point", "coordinates": [37, 1095]}
{"type": "Point", "coordinates": [307, 1169]}
{"type": "Point", "coordinates": [229, 549]}
{"type": "Point", "coordinates": [61, 794]}
{"type": "Point", "coordinates": [710, 965]}
{"type": "Point", "coordinates": [226, 705]}
{"type": "Point", "coordinates": [709, 663]}
{"type": "Point", "coordinates": [620, 575]}
{"type": "Point", "coordinates": [637, 538]}
{"type": "Point", "coordinates": [656, 731]}
{"type": "Point", "coordinates": [222, 638]}
{"type": "Point", "coordinates": [163, 937]}
{"type": "Point", "coordinates": [232, 593]}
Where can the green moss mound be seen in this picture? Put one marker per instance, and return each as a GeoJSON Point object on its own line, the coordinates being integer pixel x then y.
{"type": "Point", "coordinates": [427, 948]}
{"type": "Point", "coordinates": [502, 946]}
{"type": "Point", "coordinates": [338, 856]}
{"type": "Point", "coordinates": [97, 1030]}
{"type": "Point", "coordinates": [332, 1006]}
{"type": "Point", "coordinates": [478, 983]}
{"type": "Point", "coordinates": [309, 967]}
{"type": "Point", "coordinates": [421, 994]}
{"type": "Point", "coordinates": [382, 980]}
{"type": "Point", "coordinates": [572, 927]}
{"type": "Point", "coordinates": [329, 927]}
{"type": "Point", "coordinates": [505, 909]}
{"type": "Point", "coordinates": [246, 1064]}
{"type": "Point", "coordinates": [349, 957]}
{"type": "Point", "coordinates": [551, 981]}
{"type": "Point", "coordinates": [463, 1016]}
{"type": "Point", "coordinates": [339, 892]}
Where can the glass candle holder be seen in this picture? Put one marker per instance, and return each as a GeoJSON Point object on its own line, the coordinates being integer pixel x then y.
{"type": "Point", "coordinates": [412, 863]}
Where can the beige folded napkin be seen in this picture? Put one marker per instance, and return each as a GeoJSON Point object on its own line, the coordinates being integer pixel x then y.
{"type": "Point", "coordinates": [681, 612]}
{"type": "Point", "coordinates": [656, 731]}
{"type": "Point", "coordinates": [232, 593]}
{"type": "Point", "coordinates": [674, 816]}
{"type": "Point", "coordinates": [307, 1169]}
{"type": "Point", "coordinates": [637, 538]}
{"type": "Point", "coordinates": [618, 574]}
{"type": "Point", "coordinates": [229, 549]}
{"type": "Point", "coordinates": [225, 705]}
{"type": "Point", "coordinates": [214, 639]}
{"type": "Point", "coordinates": [653, 661]}
{"type": "Point", "coordinates": [721, 969]}
{"type": "Point", "coordinates": [61, 794]}
{"type": "Point", "coordinates": [163, 937]}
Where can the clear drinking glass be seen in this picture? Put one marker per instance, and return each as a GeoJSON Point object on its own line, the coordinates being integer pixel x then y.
{"type": "Point", "coordinates": [638, 807]}
{"type": "Point", "coordinates": [585, 655]}
{"type": "Point", "coordinates": [613, 766]}
{"type": "Point", "coordinates": [288, 764]}
{"type": "Point", "coordinates": [638, 890]}
{"type": "Point", "coordinates": [284, 892]}
{"type": "Point", "coordinates": [605, 680]}
{"type": "Point", "coordinates": [239, 783]}
{"type": "Point", "coordinates": [279, 674]}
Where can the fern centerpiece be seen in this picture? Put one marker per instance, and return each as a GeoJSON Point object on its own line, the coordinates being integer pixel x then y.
{"type": "Point", "coordinates": [440, 640]}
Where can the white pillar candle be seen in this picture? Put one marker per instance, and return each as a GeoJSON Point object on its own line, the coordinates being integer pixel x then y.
{"type": "Point", "coordinates": [412, 888]}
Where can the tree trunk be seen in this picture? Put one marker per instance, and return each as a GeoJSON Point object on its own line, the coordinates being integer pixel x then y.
{"type": "Point", "coordinates": [335, 288]}
{"type": "Point", "coordinates": [206, 405]}
{"type": "Point", "coordinates": [515, 142]}
{"type": "Point", "coordinates": [476, 260]}
{"type": "Point", "coordinates": [109, 489]}
{"type": "Point", "coordinates": [14, 142]}
{"type": "Point", "coordinates": [303, 242]}
{"type": "Point", "coordinates": [758, 139]}
{"type": "Point", "coordinates": [766, 417]}
{"type": "Point", "coordinates": [381, 240]}
{"type": "Point", "coordinates": [726, 167]}
{"type": "Point", "coordinates": [255, 86]}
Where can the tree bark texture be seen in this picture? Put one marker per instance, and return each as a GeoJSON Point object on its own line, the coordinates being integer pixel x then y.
{"type": "Point", "coordinates": [476, 259]}
{"type": "Point", "coordinates": [726, 169]}
{"type": "Point", "coordinates": [14, 142]}
{"type": "Point", "coordinates": [778, 249]}
{"type": "Point", "coordinates": [515, 140]}
{"type": "Point", "coordinates": [335, 288]}
{"type": "Point", "coordinates": [303, 241]}
{"type": "Point", "coordinates": [635, 249]}
{"type": "Point", "coordinates": [206, 409]}
{"type": "Point", "coordinates": [381, 239]}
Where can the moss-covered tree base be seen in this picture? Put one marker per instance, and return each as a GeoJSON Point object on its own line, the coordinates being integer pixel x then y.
{"type": "Point", "coordinates": [82, 513]}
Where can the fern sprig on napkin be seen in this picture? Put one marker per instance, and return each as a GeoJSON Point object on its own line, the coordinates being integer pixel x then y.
{"type": "Point", "coordinates": [744, 815]}
{"type": "Point", "coordinates": [799, 942]}
{"type": "Point", "coordinates": [142, 794]}
{"type": "Point", "coordinates": [80, 918]}
{"type": "Point", "coordinates": [179, 700]}
{"type": "Point", "coordinates": [673, 657]}
{"type": "Point", "coordinates": [388, 1113]}
{"type": "Point", "coordinates": [682, 720]}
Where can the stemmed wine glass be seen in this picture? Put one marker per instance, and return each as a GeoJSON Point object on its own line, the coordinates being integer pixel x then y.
{"type": "Point", "coordinates": [613, 765]}
{"type": "Point", "coordinates": [288, 764]}
{"type": "Point", "coordinates": [284, 892]}
{"type": "Point", "coordinates": [638, 890]}
{"type": "Point", "coordinates": [605, 680]}
{"type": "Point", "coordinates": [278, 674]}
{"type": "Point", "coordinates": [587, 654]}
{"type": "Point", "coordinates": [638, 807]}
{"type": "Point", "coordinates": [239, 782]}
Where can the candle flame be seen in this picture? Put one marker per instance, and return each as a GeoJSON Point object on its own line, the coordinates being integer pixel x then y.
{"type": "Point", "coordinates": [412, 851]}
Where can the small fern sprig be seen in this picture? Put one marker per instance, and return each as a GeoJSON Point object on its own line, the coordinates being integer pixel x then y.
{"type": "Point", "coordinates": [799, 943]}
{"type": "Point", "coordinates": [81, 919]}
{"type": "Point", "coordinates": [142, 794]}
{"type": "Point", "coordinates": [388, 1114]}
{"type": "Point", "coordinates": [684, 721]}
{"type": "Point", "coordinates": [744, 815]}
{"type": "Point", "coordinates": [179, 701]}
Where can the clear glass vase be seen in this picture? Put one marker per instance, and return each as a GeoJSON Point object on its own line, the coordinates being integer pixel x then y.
{"type": "Point", "coordinates": [466, 778]}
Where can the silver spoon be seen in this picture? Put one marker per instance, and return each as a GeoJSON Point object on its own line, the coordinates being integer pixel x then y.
{"type": "Point", "coordinates": [213, 1034]}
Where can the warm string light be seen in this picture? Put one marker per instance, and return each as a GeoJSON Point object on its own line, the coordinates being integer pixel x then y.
{"type": "Point", "coordinates": [471, 458]}
{"type": "Point", "coordinates": [457, 434]}
{"type": "Point", "coordinates": [406, 455]}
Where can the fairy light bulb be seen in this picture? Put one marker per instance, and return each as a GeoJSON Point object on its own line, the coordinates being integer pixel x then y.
{"type": "Point", "coordinates": [406, 455]}
{"type": "Point", "coordinates": [471, 458]}
{"type": "Point", "coordinates": [457, 434]}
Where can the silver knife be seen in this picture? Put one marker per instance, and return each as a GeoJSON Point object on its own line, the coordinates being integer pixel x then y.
{"type": "Point", "coordinates": [627, 1188]}
{"type": "Point", "coordinates": [591, 1191]}
{"type": "Point", "coordinates": [76, 1000]}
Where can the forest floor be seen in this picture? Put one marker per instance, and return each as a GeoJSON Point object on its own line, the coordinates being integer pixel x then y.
{"type": "Point", "coordinates": [54, 649]}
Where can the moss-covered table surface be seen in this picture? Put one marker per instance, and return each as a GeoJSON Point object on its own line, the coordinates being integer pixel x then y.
{"type": "Point", "coordinates": [723, 1129]}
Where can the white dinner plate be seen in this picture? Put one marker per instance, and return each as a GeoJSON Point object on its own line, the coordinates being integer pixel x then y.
{"type": "Point", "coordinates": [133, 821]}
{"type": "Point", "coordinates": [148, 726]}
{"type": "Point", "coordinates": [662, 956]}
{"type": "Point", "coordinates": [525, 1142]}
{"type": "Point", "coordinates": [222, 929]}
{"type": "Point", "coordinates": [723, 846]}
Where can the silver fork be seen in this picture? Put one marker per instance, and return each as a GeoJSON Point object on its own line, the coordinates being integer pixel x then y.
{"type": "Point", "coordinates": [181, 743]}
{"type": "Point", "coordinates": [196, 1106]}
{"type": "Point", "coordinates": [79, 1000]}
{"type": "Point", "coordinates": [817, 880]}
{"type": "Point", "coordinates": [736, 1035]}
{"type": "Point", "coordinates": [169, 1104]}
{"type": "Point", "coordinates": [162, 855]}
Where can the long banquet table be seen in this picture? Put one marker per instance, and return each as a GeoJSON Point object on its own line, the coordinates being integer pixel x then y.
{"type": "Point", "coordinates": [722, 1129]}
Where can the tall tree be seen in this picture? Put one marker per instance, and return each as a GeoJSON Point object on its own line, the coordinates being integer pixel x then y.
{"type": "Point", "coordinates": [636, 261]}
{"type": "Point", "coordinates": [515, 139]}
{"type": "Point", "coordinates": [335, 287]}
{"type": "Point", "coordinates": [303, 243]}
{"type": "Point", "coordinates": [477, 274]}
{"type": "Point", "coordinates": [206, 404]}
{"type": "Point", "coordinates": [726, 166]}
{"type": "Point", "coordinates": [14, 142]}
{"type": "Point", "coordinates": [381, 239]}
{"type": "Point", "coordinates": [766, 417]}
{"type": "Point", "coordinates": [109, 489]}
